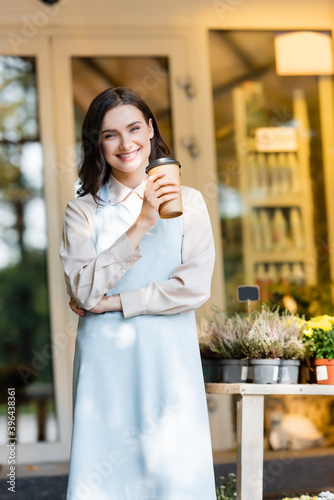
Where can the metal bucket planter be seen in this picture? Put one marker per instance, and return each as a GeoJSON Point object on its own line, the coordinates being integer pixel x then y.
{"type": "Point", "coordinates": [265, 371]}
{"type": "Point", "coordinates": [288, 371]}
{"type": "Point", "coordinates": [234, 370]}
{"type": "Point", "coordinates": [212, 370]}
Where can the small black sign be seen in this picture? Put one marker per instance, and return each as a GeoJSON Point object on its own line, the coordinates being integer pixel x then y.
{"type": "Point", "coordinates": [246, 293]}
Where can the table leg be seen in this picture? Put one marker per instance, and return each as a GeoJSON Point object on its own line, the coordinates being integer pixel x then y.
{"type": "Point", "coordinates": [250, 447]}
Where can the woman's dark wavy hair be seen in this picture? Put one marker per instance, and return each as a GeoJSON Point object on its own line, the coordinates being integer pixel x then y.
{"type": "Point", "coordinates": [94, 170]}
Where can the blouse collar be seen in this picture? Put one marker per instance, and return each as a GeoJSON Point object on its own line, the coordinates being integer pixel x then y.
{"type": "Point", "coordinates": [118, 192]}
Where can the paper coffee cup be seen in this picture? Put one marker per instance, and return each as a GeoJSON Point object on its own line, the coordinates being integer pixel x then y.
{"type": "Point", "coordinates": [172, 208]}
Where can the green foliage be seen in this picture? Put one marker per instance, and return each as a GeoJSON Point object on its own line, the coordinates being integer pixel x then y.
{"type": "Point", "coordinates": [24, 313]}
{"type": "Point", "coordinates": [24, 316]}
{"type": "Point", "coordinates": [323, 344]}
{"type": "Point", "coordinates": [227, 488]}
{"type": "Point", "coordinates": [318, 336]}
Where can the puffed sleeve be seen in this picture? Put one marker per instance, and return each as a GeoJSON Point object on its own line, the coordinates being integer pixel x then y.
{"type": "Point", "coordinates": [189, 285]}
{"type": "Point", "coordinates": [89, 276]}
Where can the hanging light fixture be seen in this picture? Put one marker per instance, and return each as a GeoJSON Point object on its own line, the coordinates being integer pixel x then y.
{"type": "Point", "coordinates": [304, 53]}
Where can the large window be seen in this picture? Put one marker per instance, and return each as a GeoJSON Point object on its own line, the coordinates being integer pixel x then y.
{"type": "Point", "coordinates": [25, 348]}
{"type": "Point", "coordinates": [272, 199]}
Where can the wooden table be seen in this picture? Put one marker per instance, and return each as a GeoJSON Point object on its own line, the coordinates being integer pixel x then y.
{"type": "Point", "coordinates": [250, 430]}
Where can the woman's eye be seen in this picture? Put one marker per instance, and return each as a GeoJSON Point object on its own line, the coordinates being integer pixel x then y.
{"type": "Point", "coordinates": [134, 128]}
{"type": "Point", "coordinates": [109, 136]}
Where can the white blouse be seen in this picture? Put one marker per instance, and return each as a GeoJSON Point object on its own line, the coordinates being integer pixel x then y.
{"type": "Point", "coordinates": [90, 276]}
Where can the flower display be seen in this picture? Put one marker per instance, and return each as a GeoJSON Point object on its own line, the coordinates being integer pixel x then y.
{"type": "Point", "coordinates": [275, 336]}
{"type": "Point", "coordinates": [326, 494]}
{"type": "Point", "coordinates": [223, 335]}
{"type": "Point", "coordinates": [318, 336]}
{"type": "Point", "coordinates": [266, 334]}
{"type": "Point", "coordinates": [322, 496]}
{"type": "Point", "coordinates": [303, 497]}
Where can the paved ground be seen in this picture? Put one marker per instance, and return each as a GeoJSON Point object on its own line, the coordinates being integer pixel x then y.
{"type": "Point", "coordinates": [281, 476]}
{"type": "Point", "coordinates": [309, 471]}
{"type": "Point", "coordinates": [39, 488]}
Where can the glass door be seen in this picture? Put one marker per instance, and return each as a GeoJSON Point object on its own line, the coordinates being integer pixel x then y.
{"type": "Point", "coordinates": [152, 65]}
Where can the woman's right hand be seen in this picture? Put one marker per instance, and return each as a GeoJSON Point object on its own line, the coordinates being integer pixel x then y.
{"type": "Point", "coordinates": [159, 189]}
{"type": "Point", "coordinates": [75, 308]}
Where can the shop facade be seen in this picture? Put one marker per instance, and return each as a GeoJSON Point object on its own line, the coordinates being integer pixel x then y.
{"type": "Point", "coordinates": [208, 70]}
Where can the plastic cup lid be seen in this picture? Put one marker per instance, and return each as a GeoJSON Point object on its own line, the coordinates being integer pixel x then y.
{"type": "Point", "coordinates": [161, 161]}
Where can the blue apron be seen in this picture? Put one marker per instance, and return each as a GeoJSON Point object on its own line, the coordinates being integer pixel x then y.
{"type": "Point", "coordinates": [140, 422]}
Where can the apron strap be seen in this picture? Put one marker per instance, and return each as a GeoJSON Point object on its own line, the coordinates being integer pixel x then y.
{"type": "Point", "coordinates": [104, 195]}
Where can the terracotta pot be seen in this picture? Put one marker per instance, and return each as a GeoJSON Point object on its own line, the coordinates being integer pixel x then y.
{"type": "Point", "coordinates": [325, 371]}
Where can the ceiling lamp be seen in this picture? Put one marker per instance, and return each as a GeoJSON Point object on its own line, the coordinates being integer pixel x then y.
{"type": "Point", "coordinates": [304, 53]}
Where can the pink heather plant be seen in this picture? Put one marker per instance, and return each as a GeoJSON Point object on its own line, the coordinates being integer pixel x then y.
{"type": "Point", "coordinates": [224, 336]}
{"type": "Point", "coordinates": [265, 335]}
{"type": "Point", "coordinates": [274, 336]}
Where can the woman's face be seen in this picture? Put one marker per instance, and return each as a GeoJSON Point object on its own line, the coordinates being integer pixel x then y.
{"type": "Point", "coordinates": [126, 141]}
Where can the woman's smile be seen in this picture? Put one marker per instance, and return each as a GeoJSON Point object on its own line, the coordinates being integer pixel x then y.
{"type": "Point", "coordinates": [128, 156]}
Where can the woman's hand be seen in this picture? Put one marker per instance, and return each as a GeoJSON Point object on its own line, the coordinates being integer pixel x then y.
{"type": "Point", "coordinates": [158, 190]}
{"type": "Point", "coordinates": [75, 308]}
{"type": "Point", "coordinates": [108, 303]}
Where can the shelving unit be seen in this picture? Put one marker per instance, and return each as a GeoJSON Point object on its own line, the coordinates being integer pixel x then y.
{"type": "Point", "coordinates": [267, 206]}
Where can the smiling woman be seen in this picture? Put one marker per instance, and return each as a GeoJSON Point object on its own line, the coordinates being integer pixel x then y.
{"type": "Point", "coordinates": [135, 280]}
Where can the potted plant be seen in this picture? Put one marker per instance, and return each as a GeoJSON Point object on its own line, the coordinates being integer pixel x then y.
{"type": "Point", "coordinates": [293, 349]}
{"type": "Point", "coordinates": [273, 338]}
{"type": "Point", "coordinates": [227, 488]}
{"type": "Point", "coordinates": [233, 336]}
{"type": "Point", "coordinates": [319, 340]}
{"type": "Point", "coordinates": [225, 337]}
{"type": "Point", "coordinates": [265, 346]}
{"type": "Point", "coordinates": [211, 359]}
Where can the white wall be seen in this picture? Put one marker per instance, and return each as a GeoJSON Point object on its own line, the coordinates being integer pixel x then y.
{"type": "Point", "coordinates": [213, 13]}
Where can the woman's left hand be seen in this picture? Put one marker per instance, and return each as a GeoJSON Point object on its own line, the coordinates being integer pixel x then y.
{"type": "Point", "coordinates": [107, 303]}
{"type": "Point", "coordinates": [100, 307]}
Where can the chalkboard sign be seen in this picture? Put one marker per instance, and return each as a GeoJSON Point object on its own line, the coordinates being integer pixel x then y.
{"type": "Point", "coordinates": [246, 293]}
